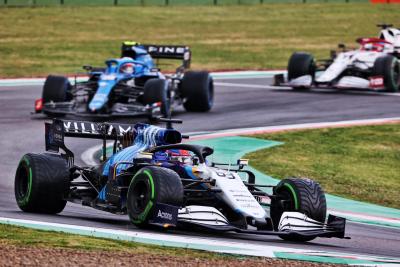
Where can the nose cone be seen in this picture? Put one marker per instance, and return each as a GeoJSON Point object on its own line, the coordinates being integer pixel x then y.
{"type": "Point", "coordinates": [95, 105]}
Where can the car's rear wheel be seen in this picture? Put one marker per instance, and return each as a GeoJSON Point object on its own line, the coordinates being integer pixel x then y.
{"type": "Point", "coordinates": [41, 183]}
{"type": "Point", "coordinates": [56, 89]}
{"type": "Point", "coordinates": [301, 64]}
{"type": "Point", "coordinates": [152, 185]}
{"type": "Point", "coordinates": [300, 195]}
{"type": "Point", "coordinates": [197, 88]}
{"type": "Point", "coordinates": [156, 91]}
{"type": "Point", "coordinates": [389, 68]}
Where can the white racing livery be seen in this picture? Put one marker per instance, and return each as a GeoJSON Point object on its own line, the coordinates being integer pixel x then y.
{"type": "Point", "coordinates": [160, 182]}
{"type": "Point", "coordinates": [374, 66]}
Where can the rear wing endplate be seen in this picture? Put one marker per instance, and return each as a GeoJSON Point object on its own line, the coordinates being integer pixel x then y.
{"type": "Point", "coordinates": [56, 130]}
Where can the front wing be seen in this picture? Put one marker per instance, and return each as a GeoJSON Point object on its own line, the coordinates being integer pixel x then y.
{"type": "Point", "coordinates": [345, 82]}
{"type": "Point", "coordinates": [118, 110]}
{"type": "Point", "coordinates": [292, 224]}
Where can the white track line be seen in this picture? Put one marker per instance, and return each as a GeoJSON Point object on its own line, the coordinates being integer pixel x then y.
{"type": "Point", "coordinates": [245, 85]}
{"type": "Point", "coordinates": [202, 243]}
{"type": "Point", "coordinates": [216, 75]}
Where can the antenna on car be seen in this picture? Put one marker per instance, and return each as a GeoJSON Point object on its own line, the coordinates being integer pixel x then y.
{"type": "Point", "coordinates": [384, 26]}
{"type": "Point", "coordinates": [169, 122]}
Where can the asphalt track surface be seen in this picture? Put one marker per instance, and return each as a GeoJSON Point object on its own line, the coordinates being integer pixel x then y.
{"type": "Point", "coordinates": [239, 103]}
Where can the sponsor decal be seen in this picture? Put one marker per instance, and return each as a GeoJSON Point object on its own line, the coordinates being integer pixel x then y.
{"type": "Point", "coordinates": [263, 200]}
{"type": "Point", "coordinates": [167, 49]}
{"type": "Point", "coordinates": [164, 215]}
{"type": "Point", "coordinates": [93, 128]}
{"type": "Point", "coordinates": [376, 82]}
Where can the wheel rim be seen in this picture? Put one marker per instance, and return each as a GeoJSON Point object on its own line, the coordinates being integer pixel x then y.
{"type": "Point", "coordinates": [210, 93]}
{"type": "Point", "coordinates": [22, 183]}
{"type": "Point", "coordinates": [287, 201]}
{"type": "Point", "coordinates": [140, 197]}
{"type": "Point", "coordinates": [396, 75]}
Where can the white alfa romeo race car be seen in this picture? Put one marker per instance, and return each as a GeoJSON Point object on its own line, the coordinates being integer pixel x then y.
{"type": "Point", "coordinates": [374, 65]}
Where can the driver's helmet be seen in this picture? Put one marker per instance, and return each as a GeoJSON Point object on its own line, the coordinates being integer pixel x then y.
{"type": "Point", "coordinates": [127, 68]}
{"type": "Point", "coordinates": [375, 46]}
{"type": "Point", "coordinates": [180, 156]}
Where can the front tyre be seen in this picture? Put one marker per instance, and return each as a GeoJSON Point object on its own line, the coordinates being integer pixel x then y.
{"type": "Point", "coordinates": [389, 68]}
{"type": "Point", "coordinates": [41, 183]}
{"type": "Point", "coordinates": [198, 90]}
{"type": "Point", "coordinates": [152, 185]}
{"type": "Point", "coordinates": [301, 64]}
{"type": "Point", "coordinates": [300, 195]}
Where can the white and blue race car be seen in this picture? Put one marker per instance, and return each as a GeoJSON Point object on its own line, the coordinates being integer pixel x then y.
{"type": "Point", "coordinates": [159, 181]}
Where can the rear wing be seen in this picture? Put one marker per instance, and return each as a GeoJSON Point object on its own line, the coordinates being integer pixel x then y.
{"type": "Point", "coordinates": [179, 52]}
{"type": "Point", "coordinates": [56, 130]}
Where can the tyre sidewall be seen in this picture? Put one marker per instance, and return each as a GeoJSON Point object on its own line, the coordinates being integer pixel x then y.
{"type": "Point", "coordinates": [301, 64]}
{"type": "Point", "coordinates": [163, 186]}
{"type": "Point", "coordinates": [48, 183]}
{"type": "Point", "coordinates": [198, 90]}
{"type": "Point", "coordinates": [55, 89]}
{"type": "Point", "coordinates": [385, 66]}
{"type": "Point", "coordinates": [299, 191]}
{"type": "Point", "coordinates": [156, 90]}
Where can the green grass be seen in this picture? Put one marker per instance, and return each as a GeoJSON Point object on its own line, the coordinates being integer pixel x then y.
{"type": "Point", "coordinates": [20, 236]}
{"type": "Point", "coordinates": [361, 163]}
{"type": "Point", "coordinates": [42, 40]}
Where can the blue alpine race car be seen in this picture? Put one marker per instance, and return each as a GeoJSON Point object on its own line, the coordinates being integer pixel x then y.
{"type": "Point", "coordinates": [130, 86]}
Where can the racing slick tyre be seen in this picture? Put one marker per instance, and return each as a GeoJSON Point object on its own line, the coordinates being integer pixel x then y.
{"type": "Point", "coordinates": [301, 64]}
{"type": "Point", "coordinates": [41, 183]}
{"type": "Point", "coordinates": [301, 195]}
{"type": "Point", "coordinates": [56, 89]}
{"type": "Point", "coordinates": [389, 68]}
{"type": "Point", "coordinates": [156, 91]}
{"type": "Point", "coordinates": [197, 88]}
{"type": "Point", "coordinates": [152, 185]}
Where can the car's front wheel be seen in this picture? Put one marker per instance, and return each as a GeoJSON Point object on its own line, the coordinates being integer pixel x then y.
{"type": "Point", "coordinates": [301, 195]}
{"type": "Point", "coordinates": [150, 186]}
{"type": "Point", "coordinates": [389, 68]}
{"type": "Point", "coordinates": [301, 64]}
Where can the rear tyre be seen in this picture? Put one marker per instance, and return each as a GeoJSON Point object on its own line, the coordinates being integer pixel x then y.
{"type": "Point", "coordinates": [149, 186]}
{"type": "Point", "coordinates": [301, 195]}
{"type": "Point", "coordinates": [389, 68]}
{"type": "Point", "coordinates": [301, 64]}
{"type": "Point", "coordinates": [55, 89]}
{"type": "Point", "coordinates": [41, 183]}
{"type": "Point", "coordinates": [156, 90]}
{"type": "Point", "coordinates": [198, 90]}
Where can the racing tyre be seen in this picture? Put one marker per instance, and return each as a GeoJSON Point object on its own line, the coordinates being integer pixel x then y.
{"type": "Point", "coordinates": [198, 90]}
{"type": "Point", "coordinates": [149, 186]}
{"type": "Point", "coordinates": [156, 90]}
{"type": "Point", "coordinates": [56, 89]}
{"type": "Point", "coordinates": [301, 64]}
{"type": "Point", "coordinates": [41, 183]}
{"type": "Point", "coordinates": [301, 195]}
{"type": "Point", "coordinates": [389, 68]}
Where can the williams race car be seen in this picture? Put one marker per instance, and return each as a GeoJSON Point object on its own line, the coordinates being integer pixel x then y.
{"type": "Point", "coordinates": [160, 182]}
{"type": "Point", "coordinates": [375, 65]}
{"type": "Point", "coordinates": [130, 86]}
